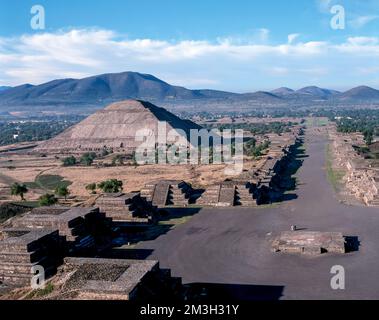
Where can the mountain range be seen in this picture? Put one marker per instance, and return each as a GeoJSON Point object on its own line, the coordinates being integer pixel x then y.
{"type": "Point", "coordinates": [3, 88]}
{"type": "Point", "coordinates": [106, 88]}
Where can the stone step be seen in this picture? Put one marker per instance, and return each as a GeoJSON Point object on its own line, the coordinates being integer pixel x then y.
{"type": "Point", "coordinates": [177, 197]}
{"type": "Point", "coordinates": [128, 208]}
{"type": "Point", "coordinates": [161, 195]}
{"type": "Point", "coordinates": [247, 203]}
{"type": "Point", "coordinates": [24, 279]}
{"type": "Point", "coordinates": [21, 257]}
{"type": "Point", "coordinates": [19, 280]}
{"type": "Point", "coordinates": [24, 268]}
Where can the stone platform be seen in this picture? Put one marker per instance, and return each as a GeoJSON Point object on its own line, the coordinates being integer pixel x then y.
{"type": "Point", "coordinates": [22, 249]}
{"type": "Point", "coordinates": [311, 243]}
{"type": "Point", "coordinates": [117, 279]}
{"type": "Point", "coordinates": [79, 226]}
{"type": "Point", "coordinates": [129, 208]}
{"type": "Point", "coordinates": [168, 193]}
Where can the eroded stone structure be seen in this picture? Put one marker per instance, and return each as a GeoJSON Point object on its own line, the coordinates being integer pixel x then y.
{"type": "Point", "coordinates": [311, 243]}
{"type": "Point", "coordinates": [81, 227]}
{"type": "Point", "coordinates": [168, 193]}
{"type": "Point", "coordinates": [362, 175]}
{"type": "Point", "coordinates": [260, 185]}
{"type": "Point", "coordinates": [222, 195]}
{"type": "Point", "coordinates": [22, 249]}
{"type": "Point", "coordinates": [129, 208]}
{"type": "Point", "coordinates": [116, 279]}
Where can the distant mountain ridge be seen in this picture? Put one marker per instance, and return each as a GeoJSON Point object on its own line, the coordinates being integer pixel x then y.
{"type": "Point", "coordinates": [360, 93]}
{"type": "Point", "coordinates": [106, 88]}
{"type": "Point", "coordinates": [3, 88]}
{"type": "Point", "coordinates": [283, 91]}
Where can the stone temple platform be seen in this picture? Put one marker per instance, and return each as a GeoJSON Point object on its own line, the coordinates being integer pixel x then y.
{"type": "Point", "coordinates": [20, 250]}
{"type": "Point", "coordinates": [311, 243]}
{"type": "Point", "coordinates": [127, 209]}
{"type": "Point", "coordinates": [79, 226]}
{"type": "Point", "coordinates": [116, 279]}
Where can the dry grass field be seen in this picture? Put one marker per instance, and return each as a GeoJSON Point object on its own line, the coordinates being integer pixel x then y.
{"type": "Point", "coordinates": [41, 174]}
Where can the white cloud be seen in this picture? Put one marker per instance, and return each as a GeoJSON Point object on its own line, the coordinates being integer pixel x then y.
{"type": "Point", "coordinates": [363, 41]}
{"type": "Point", "coordinates": [292, 37]}
{"type": "Point", "coordinates": [223, 64]}
{"type": "Point", "coordinates": [362, 21]}
{"type": "Point", "coordinates": [255, 36]}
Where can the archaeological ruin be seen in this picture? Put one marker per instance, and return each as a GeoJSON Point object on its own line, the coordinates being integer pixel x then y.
{"type": "Point", "coordinates": [117, 279]}
{"type": "Point", "coordinates": [361, 175]}
{"type": "Point", "coordinates": [127, 209]}
{"type": "Point", "coordinates": [309, 243]}
{"type": "Point", "coordinates": [168, 193]}
{"type": "Point", "coordinates": [83, 228]}
{"type": "Point", "coordinates": [259, 185]}
{"type": "Point", "coordinates": [23, 249]}
{"type": "Point", "coordinates": [114, 128]}
{"type": "Point", "coordinates": [77, 245]}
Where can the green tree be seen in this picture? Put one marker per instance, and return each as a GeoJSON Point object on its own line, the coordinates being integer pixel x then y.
{"type": "Point", "coordinates": [69, 161]}
{"type": "Point", "coordinates": [88, 158]}
{"type": "Point", "coordinates": [368, 136]}
{"type": "Point", "coordinates": [47, 200]}
{"type": "Point", "coordinates": [19, 190]}
{"type": "Point", "coordinates": [91, 188]}
{"type": "Point", "coordinates": [62, 191]}
{"type": "Point", "coordinates": [111, 186]}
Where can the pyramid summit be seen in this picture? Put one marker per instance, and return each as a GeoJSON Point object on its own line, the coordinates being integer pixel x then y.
{"type": "Point", "coordinates": [115, 127]}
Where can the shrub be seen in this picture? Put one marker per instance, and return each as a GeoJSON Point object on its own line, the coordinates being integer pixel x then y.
{"type": "Point", "coordinates": [69, 161]}
{"type": "Point", "coordinates": [88, 158]}
{"type": "Point", "coordinates": [111, 186]}
{"type": "Point", "coordinates": [47, 200]}
{"type": "Point", "coordinates": [91, 188]}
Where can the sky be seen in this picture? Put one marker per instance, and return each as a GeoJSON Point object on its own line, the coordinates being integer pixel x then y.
{"type": "Point", "coordinates": [240, 45]}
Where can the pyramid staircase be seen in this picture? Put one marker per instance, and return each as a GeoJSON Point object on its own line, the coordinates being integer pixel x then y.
{"type": "Point", "coordinates": [210, 196]}
{"type": "Point", "coordinates": [227, 196]}
{"type": "Point", "coordinates": [20, 250]}
{"type": "Point", "coordinates": [179, 194]}
{"type": "Point", "coordinates": [222, 195]}
{"type": "Point", "coordinates": [167, 193]}
{"type": "Point", "coordinates": [245, 196]}
{"type": "Point", "coordinates": [78, 225]}
{"type": "Point", "coordinates": [130, 207]}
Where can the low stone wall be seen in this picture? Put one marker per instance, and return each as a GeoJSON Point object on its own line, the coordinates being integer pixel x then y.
{"type": "Point", "coordinates": [311, 243]}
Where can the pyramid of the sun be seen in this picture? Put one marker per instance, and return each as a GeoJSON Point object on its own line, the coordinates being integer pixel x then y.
{"type": "Point", "coordinates": [115, 127]}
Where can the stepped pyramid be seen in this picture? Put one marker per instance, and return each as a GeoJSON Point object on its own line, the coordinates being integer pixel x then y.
{"type": "Point", "coordinates": [114, 128]}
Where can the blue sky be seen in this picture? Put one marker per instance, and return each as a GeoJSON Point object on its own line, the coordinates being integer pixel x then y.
{"type": "Point", "coordinates": [239, 45]}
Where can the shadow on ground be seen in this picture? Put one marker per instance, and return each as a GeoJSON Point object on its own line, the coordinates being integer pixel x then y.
{"type": "Point", "coordinates": [352, 244]}
{"type": "Point", "coordinates": [129, 254]}
{"type": "Point", "coordinates": [200, 292]}
{"type": "Point", "coordinates": [169, 218]}
{"type": "Point", "coordinates": [286, 189]}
